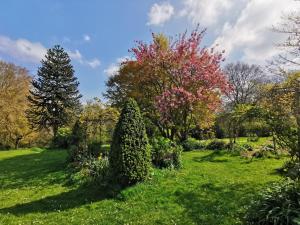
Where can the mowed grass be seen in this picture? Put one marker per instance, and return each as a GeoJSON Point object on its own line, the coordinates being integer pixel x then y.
{"type": "Point", "coordinates": [212, 188]}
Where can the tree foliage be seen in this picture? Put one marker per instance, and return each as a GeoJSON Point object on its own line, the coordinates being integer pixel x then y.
{"type": "Point", "coordinates": [245, 81]}
{"type": "Point", "coordinates": [54, 97]}
{"type": "Point", "coordinates": [281, 106]}
{"type": "Point", "coordinates": [14, 88]}
{"type": "Point", "coordinates": [176, 83]}
{"type": "Point", "coordinates": [100, 120]}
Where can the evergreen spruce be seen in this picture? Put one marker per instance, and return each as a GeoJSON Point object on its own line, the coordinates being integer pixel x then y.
{"type": "Point", "coordinates": [129, 157]}
{"type": "Point", "coordinates": [54, 97]}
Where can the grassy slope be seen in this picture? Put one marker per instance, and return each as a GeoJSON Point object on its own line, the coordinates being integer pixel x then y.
{"type": "Point", "coordinates": [212, 188]}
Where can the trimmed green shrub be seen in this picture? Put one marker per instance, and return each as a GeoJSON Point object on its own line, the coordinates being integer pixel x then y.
{"type": "Point", "coordinates": [216, 145]}
{"type": "Point", "coordinates": [79, 133]}
{"type": "Point", "coordinates": [192, 144]}
{"type": "Point", "coordinates": [165, 153]}
{"type": "Point", "coordinates": [278, 205]}
{"type": "Point", "coordinates": [129, 157]}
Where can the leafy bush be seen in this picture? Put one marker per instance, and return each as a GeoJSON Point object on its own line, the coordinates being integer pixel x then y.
{"type": "Point", "coordinates": [278, 205]}
{"type": "Point", "coordinates": [235, 148]}
{"type": "Point", "coordinates": [129, 156]}
{"type": "Point", "coordinates": [265, 151]}
{"type": "Point", "coordinates": [192, 144]}
{"type": "Point", "coordinates": [216, 145]}
{"type": "Point", "coordinates": [90, 170]}
{"type": "Point", "coordinates": [165, 153]}
{"type": "Point", "coordinates": [292, 169]}
{"type": "Point", "coordinates": [247, 147]}
{"type": "Point", "coordinates": [62, 139]}
{"type": "Point", "coordinates": [78, 154]}
{"type": "Point", "coordinates": [94, 149]}
{"type": "Point", "coordinates": [98, 168]}
{"type": "Point", "coordinates": [4, 146]}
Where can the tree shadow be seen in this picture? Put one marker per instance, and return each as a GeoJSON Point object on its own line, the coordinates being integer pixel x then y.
{"type": "Point", "coordinates": [40, 168]}
{"type": "Point", "coordinates": [83, 195]}
{"type": "Point", "coordinates": [212, 157]}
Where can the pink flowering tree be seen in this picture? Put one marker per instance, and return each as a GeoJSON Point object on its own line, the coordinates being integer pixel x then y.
{"type": "Point", "coordinates": [187, 80]}
{"type": "Point", "coordinates": [178, 84]}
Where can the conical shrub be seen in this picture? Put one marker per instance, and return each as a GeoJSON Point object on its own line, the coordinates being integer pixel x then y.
{"type": "Point", "coordinates": [129, 156]}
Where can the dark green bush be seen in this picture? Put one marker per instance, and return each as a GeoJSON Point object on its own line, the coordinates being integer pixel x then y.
{"type": "Point", "coordinates": [4, 147]}
{"type": "Point", "coordinates": [278, 205]}
{"type": "Point", "coordinates": [129, 157]}
{"type": "Point", "coordinates": [94, 149]}
{"type": "Point", "coordinates": [292, 169]}
{"type": "Point", "coordinates": [192, 144]}
{"type": "Point", "coordinates": [79, 133]}
{"type": "Point", "coordinates": [165, 153]}
{"type": "Point", "coordinates": [216, 145]}
{"type": "Point", "coordinates": [62, 139]}
{"type": "Point", "coordinates": [78, 154]}
{"type": "Point", "coordinates": [78, 150]}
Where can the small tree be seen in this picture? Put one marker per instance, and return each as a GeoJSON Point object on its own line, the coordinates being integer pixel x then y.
{"type": "Point", "coordinates": [129, 156]}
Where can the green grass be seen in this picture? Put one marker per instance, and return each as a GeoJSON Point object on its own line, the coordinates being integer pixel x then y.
{"type": "Point", "coordinates": [212, 188]}
{"type": "Point", "coordinates": [243, 140]}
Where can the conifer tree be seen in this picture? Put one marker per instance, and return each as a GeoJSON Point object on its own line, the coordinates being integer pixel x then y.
{"type": "Point", "coordinates": [54, 96]}
{"type": "Point", "coordinates": [129, 156]}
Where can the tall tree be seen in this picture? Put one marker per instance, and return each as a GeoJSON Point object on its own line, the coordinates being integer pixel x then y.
{"type": "Point", "coordinates": [245, 80]}
{"type": "Point", "coordinates": [174, 82]}
{"type": "Point", "coordinates": [289, 56]}
{"type": "Point", "coordinates": [14, 88]}
{"type": "Point", "coordinates": [54, 97]}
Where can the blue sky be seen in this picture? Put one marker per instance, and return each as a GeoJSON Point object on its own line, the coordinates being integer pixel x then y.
{"type": "Point", "coordinates": [97, 34]}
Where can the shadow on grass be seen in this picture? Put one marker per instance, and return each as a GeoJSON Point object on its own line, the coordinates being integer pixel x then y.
{"type": "Point", "coordinates": [211, 204]}
{"type": "Point", "coordinates": [41, 168]}
{"type": "Point", "coordinates": [212, 157]}
{"type": "Point", "coordinates": [67, 200]}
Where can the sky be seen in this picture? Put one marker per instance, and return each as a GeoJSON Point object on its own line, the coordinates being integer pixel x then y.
{"type": "Point", "coordinates": [98, 34]}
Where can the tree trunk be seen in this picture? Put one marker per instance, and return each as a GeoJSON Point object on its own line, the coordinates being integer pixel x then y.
{"type": "Point", "coordinates": [55, 130]}
{"type": "Point", "coordinates": [17, 142]}
{"type": "Point", "coordinates": [297, 104]}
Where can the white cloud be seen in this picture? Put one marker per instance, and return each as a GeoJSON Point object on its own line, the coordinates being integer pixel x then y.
{"type": "Point", "coordinates": [206, 12]}
{"type": "Point", "coordinates": [33, 52]}
{"type": "Point", "coordinates": [251, 35]}
{"type": "Point", "coordinates": [160, 13]}
{"type": "Point", "coordinates": [113, 68]}
{"type": "Point", "coordinates": [94, 63]}
{"type": "Point", "coordinates": [22, 49]}
{"type": "Point", "coordinates": [86, 38]}
{"type": "Point", "coordinates": [76, 55]}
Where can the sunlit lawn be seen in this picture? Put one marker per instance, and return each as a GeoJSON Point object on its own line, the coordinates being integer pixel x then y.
{"type": "Point", "coordinates": [212, 188]}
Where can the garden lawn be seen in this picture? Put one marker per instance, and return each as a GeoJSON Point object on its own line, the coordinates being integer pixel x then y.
{"type": "Point", "coordinates": [212, 188]}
